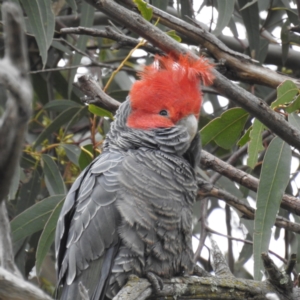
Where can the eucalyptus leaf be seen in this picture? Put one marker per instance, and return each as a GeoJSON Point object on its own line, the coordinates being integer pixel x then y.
{"type": "Point", "coordinates": [34, 218]}
{"type": "Point", "coordinates": [53, 178]}
{"type": "Point", "coordinates": [225, 9]}
{"type": "Point", "coordinates": [226, 129]}
{"type": "Point", "coordinates": [274, 177]}
{"type": "Point", "coordinates": [47, 236]}
{"type": "Point", "coordinates": [42, 21]}
{"type": "Point", "coordinates": [255, 144]}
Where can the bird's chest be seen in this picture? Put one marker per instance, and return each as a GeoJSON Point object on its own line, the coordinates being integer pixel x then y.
{"type": "Point", "coordinates": [155, 203]}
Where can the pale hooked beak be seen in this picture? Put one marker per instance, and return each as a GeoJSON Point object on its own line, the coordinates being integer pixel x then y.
{"type": "Point", "coordinates": [191, 124]}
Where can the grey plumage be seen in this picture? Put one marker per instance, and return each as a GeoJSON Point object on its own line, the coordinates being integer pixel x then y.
{"type": "Point", "coordinates": [130, 211]}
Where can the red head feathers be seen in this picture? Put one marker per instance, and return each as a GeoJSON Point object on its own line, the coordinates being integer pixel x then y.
{"type": "Point", "coordinates": [168, 91]}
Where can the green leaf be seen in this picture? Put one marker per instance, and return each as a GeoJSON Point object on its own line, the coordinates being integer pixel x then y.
{"type": "Point", "coordinates": [274, 177]}
{"type": "Point", "coordinates": [86, 156]}
{"type": "Point", "coordinates": [145, 11]}
{"type": "Point", "coordinates": [286, 92]}
{"type": "Point", "coordinates": [293, 106]}
{"type": "Point", "coordinates": [42, 21]}
{"type": "Point", "coordinates": [173, 35]}
{"type": "Point", "coordinates": [34, 218]}
{"type": "Point", "coordinates": [60, 120]}
{"type": "Point", "coordinates": [53, 178]}
{"type": "Point", "coordinates": [255, 144]}
{"type": "Point", "coordinates": [226, 129]}
{"type": "Point", "coordinates": [14, 185]}
{"type": "Point", "coordinates": [61, 105]}
{"type": "Point", "coordinates": [251, 20]}
{"type": "Point", "coordinates": [47, 236]}
{"type": "Point", "coordinates": [248, 4]}
{"type": "Point", "coordinates": [101, 112]}
{"type": "Point", "coordinates": [285, 41]}
{"type": "Point", "coordinates": [86, 20]}
{"type": "Point", "coordinates": [294, 119]}
{"type": "Point", "coordinates": [245, 138]}
{"type": "Point", "coordinates": [225, 9]}
{"type": "Point", "coordinates": [72, 152]}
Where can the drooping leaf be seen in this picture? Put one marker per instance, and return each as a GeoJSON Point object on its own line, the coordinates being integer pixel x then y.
{"type": "Point", "coordinates": [255, 144]}
{"type": "Point", "coordinates": [145, 11]}
{"type": "Point", "coordinates": [251, 20]}
{"type": "Point", "coordinates": [286, 92]}
{"type": "Point", "coordinates": [53, 178]}
{"type": "Point", "coordinates": [274, 178]}
{"type": "Point", "coordinates": [285, 41]}
{"type": "Point", "coordinates": [101, 112]}
{"type": "Point", "coordinates": [72, 152]}
{"type": "Point", "coordinates": [34, 218]}
{"type": "Point", "coordinates": [61, 105]}
{"type": "Point", "coordinates": [294, 119]}
{"type": "Point", "coordinates": [248, 4]}
{"type": "Point", "coordinates": [14, 185]}
{"type": "Point", "coordinates": [47, 236]}
{"type": "Point", "coordinates": [226, 129]}
{"type": "Point", "coordinates": [42, 21]}
{"type": "Point", "coordinates": [225, 9]}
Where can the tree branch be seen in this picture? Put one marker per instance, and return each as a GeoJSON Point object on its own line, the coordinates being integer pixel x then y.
{"type": "Point", "coordinates": [112, 34]}
{"type": "Point", "coordinates": [97, 96]}
{"type": "Point", "coordinates": [15, 288]}
{"type": "Point", "coordinates": [209, 161]}
{"type": "Point", "coordinates": [208, 189]}
{"type": "Point", "coordinates": [222, 286]}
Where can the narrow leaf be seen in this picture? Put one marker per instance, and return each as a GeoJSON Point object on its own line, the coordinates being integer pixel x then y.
{"type": "Point", "coordinates": [226, 129]}
{"type": "Point", "coordinates": [61, 105]}
{"type": "Point", "coordinates": [251, 20]}
{"type": "Point", "coordinates": [53, 178]}
{"type": "Point", "coordinates": [47, 236]}
{"type": "Point", "coordinates": [101, 112]}
{"type": "Point", "coordinates": [34, 218]}
{"type": "Point", "coordinates": [72, 152]}
{"type": "Point", "coordinates": [273, 181]}
{"type": "Point", "coordinates": [42, 21]}
{"type": "Point", "coordinates": [285, 41]}
{"type": "Point", "coordinates": [294, 119]}
{"type": "Point", "coordinates": [225, 9]}
{"type": "Point", "coordinates": [145, 11]}
{"type": "Point", "coordinates": [255, 144]}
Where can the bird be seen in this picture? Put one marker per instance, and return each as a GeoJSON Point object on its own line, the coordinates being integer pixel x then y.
{"type": "Point", "coordinates": [130, 211]}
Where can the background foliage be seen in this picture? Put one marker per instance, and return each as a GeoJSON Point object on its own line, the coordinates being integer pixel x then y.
{"type": "Point", "coordinates": [65, 134]}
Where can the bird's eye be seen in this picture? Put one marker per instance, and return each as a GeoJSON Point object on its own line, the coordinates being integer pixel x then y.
{"type": "Point", "coordinates": [163, 112]}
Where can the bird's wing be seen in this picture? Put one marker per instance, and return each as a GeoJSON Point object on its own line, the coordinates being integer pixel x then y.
{"type": "Point", "coordinates": [156, 194]}
{"type": "Point", "coordinates": [86, 235]}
